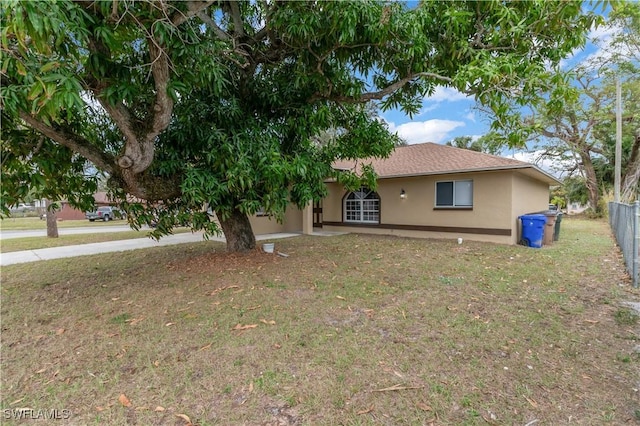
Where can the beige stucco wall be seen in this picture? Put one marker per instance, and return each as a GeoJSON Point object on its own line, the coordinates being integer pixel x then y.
{"type": "Point", "coordinates": [529, 195]}
{"type": "Point", "coordinates": [267, 225]}
{"type": "Point", "coordinates": [498, 198]}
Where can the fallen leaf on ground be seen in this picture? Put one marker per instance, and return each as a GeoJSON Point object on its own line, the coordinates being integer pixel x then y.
{"type": "Point", "coordinates": [184, 417]}
{"type": "Point", "coordinates": [272, 322]}
{"type": "Point", "coordinates": [206, 347]}
{"type": "Point", "coordinates": [340, 297]}
{"type": "Point", "coordinates": [532, 402]}
{"type": "Point", "coordinates": [424, 407]}
{"type": "Point", "coordinates": [158, 408]}
{"type": "Point", "coordinates": [169, 324]}
{"type": "Point", "coordinates": [124, 400]}
{"type": "Point", "coordinates": [240, 327]}
{"type": "Point", "coordinates": [368, 410]}
{"type": "Point", "coordinates": [59, 331]}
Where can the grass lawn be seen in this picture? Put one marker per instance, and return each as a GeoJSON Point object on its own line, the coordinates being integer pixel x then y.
{"type": "Point", "coordinates": [33, 243]}
{"type": "Point", "coordinates": [348, 330]}
{"type": "Point", "coordinates": [25, 223]}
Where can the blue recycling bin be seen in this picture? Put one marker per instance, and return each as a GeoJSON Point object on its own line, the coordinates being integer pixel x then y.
{"type": "Point", "coordinates": [533, 229]}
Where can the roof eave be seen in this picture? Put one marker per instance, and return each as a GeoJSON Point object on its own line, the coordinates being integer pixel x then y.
{"type": "Point", "coordinates": [545, 176]}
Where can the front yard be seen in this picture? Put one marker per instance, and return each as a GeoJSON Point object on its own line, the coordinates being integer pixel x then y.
{"type": "Point", "coordinates": [346, 330]}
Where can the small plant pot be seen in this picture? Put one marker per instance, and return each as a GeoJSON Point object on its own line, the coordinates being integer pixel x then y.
{"type": "Point", "coordinates": [268, 247]}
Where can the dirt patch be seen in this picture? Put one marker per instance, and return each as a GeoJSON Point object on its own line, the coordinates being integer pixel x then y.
{"type": "Point", "coordinates": [223, 261]}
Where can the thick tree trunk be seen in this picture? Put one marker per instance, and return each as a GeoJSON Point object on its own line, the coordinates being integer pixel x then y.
{"type": "Point", "coordinates": [238, 232]}
{"type": "Point", "coordinates": [629, 187]}
{"type": "Point", "coordinates": [591, 182]}
{"type": "Point", "coordinates": [52, 221]}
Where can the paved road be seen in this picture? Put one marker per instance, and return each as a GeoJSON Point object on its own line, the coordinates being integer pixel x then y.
{"type": "Point", "coordinates": [5, 235]}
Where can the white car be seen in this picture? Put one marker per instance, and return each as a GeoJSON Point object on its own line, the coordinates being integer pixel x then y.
{"type": "Point", "coordinates": [104, 213]}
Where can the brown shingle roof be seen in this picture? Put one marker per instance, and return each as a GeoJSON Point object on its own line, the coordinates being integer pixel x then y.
{"type": "Point", "coordinates": [431, 158]}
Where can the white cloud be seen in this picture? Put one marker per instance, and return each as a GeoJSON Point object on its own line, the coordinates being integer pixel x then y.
{"type": "Point", "coordinates": [603, 32]}
{"type": "Point", "coordinates": [446, 94]}
{"type": "Point", "coordinates": [425, 131]}
{"type": "Point", "coordinates": [426, 109]}
{"type": "Point", "coordinates": [470, 116]}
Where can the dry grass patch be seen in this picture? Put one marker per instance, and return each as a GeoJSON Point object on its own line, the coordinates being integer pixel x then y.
{"type": "Point", "coordinates": [346, 330]}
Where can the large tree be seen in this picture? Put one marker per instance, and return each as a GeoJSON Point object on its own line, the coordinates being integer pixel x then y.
{"type": "Point", "coordinates": [582, 129]}
{"type": "Point", "coordinates": [189, 104]}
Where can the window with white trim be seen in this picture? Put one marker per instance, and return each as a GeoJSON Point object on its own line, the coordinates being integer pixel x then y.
{"type": "Point", "coordinates": [454, 193]}
{"type": "Point", "coordinates": [362, 206]}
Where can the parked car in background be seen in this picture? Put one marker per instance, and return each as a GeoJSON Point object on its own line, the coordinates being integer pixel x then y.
{"type": "Point", "coordinates": [22, 208]}
{"type": "Point", "coordinates": [104, 213]}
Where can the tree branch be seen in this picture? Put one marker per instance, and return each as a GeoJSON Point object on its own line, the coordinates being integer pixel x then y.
{"type": "Point", "coordinates": [163, 106]}
{"type": "Point", "coordinates": [140, 136]}
{"type": "Point", "coordinates": [219, 32]}
{"type": "Point", "coordinates": [238, 28]}
{"type": "Point", "coordinates": [261, 34]}
{"type": "Point", "coordinates": [194, 8]}
{"type": "Point", "coordinates": [72, 141]}
{"type": "Point", "coordinates": [370, 96]}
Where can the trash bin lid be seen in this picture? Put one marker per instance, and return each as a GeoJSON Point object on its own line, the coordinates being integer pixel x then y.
{"type": "Point", "coordinates": [535, 217]}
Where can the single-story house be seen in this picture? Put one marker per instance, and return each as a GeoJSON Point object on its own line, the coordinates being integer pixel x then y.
{"type": "Point", "coordinates": [431, 191]}
{"type": "Point", "coordinates": [67, 212]}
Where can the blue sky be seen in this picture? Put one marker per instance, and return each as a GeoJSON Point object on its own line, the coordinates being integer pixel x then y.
{"type": "Point", "coordinates": [444, 115]}
{"type": "Point", "coordinates": [448, 113]}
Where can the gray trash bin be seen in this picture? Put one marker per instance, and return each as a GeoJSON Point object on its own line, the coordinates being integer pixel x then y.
{"type": "Point", "coordinates": [556, 232]}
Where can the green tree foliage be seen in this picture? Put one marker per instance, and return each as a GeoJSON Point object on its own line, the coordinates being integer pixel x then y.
{"type": "Point", "coordinates": [489, 143]}
{"type": "Point", "coordinates": [189, 104]}
{"type": "Point", "coordinates": [583, 131]}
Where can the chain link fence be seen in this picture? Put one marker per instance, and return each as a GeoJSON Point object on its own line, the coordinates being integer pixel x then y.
{"type": "Point", "coordinates": [625, 223]}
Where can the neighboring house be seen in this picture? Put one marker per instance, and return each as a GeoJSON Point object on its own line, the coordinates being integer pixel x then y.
{"type": "Point", "coordinates": [431, 191]}
{"type": "Point", "coordinates": [71, 213]}
{"type": "Point", "coordinates": [575, 207]}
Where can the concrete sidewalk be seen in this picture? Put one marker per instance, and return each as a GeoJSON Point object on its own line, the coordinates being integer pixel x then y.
{"type": "Point", "coordinates": [115, 246]}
